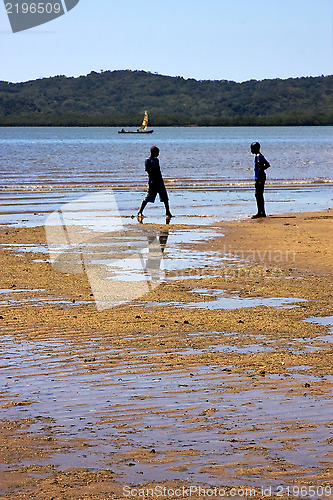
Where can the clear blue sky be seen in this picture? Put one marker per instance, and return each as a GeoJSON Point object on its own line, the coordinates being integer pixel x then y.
{"type": "Point", "coordinates": [203, 39]}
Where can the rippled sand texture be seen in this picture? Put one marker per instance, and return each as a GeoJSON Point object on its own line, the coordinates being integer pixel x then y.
{"type": "Point", "coordinates": [221, 376]}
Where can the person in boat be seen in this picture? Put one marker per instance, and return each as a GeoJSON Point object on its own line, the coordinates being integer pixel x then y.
{"type": "Point", "coordinates": [260, 165]}
{"type": "Point", "coordinates": [155, 183]}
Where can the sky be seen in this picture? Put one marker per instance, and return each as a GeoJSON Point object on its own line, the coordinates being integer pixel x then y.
{"type": "Point", "coordinates": [236, 40]}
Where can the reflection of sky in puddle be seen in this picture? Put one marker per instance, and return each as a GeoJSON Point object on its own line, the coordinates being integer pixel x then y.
{"type": "Point", "coordinates": [325, 339]}
{"type": "Point", "coordinates": [147, 254]}
{"type": "Point", "coordinates": [221, 301]}
{"type": "Point", "coordinates": [20, 249]}
{"type": "Point", "coordinates": [178, 257]}
{"type": "Point", "coordinates": [295, 346]}
{"type": "Point", "coordinates": [173, 258]}
{"type": "Point", "coordinates": [20, 290]}
{"type": "Point", "coordinates": [41, 301]}
{"type": "Point", "coordinates": [250, 349]}
{"type": "Point", "coordinates": [325, 320]}
{"type": "Point", "coordinates": [192, 276]}
{"type": "Point", "coordinates": [130, 269]}
{"type": "Point", "coordinates": [114, 409]}
{"type": "Point", "coordinates": [156, 253]}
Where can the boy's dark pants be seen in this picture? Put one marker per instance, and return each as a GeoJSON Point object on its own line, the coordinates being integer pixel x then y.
{"type": "Point", "coordinates": [259, 194]}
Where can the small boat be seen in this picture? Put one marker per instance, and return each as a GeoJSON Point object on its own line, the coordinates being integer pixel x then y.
{"type": "Point", "coordinates": [141, 130]}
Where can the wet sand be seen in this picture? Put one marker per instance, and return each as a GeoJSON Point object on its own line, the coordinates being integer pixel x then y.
{"type": "Point", "coordinates": [221, 377]}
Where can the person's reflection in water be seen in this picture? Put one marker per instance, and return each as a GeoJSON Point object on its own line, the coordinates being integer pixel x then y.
{"type": "Point", "coordinates": [154, 266]}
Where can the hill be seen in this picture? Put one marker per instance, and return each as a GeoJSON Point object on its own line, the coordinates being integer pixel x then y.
{"type": "Point", "coordinates": [120, 97]}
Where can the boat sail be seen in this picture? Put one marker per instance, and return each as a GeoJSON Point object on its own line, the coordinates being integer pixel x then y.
{"type": "Point", "coordinates": [141, 130]}
{"type": "Point", "coordinates": [144, 124]}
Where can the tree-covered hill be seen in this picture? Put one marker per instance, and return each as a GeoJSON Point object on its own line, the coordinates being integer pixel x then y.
{"type": "Point", "coordinates": [120, 97]}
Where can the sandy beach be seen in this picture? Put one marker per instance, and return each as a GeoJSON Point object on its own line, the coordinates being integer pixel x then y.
{"type": "Point", "coordinates": [220, 378]}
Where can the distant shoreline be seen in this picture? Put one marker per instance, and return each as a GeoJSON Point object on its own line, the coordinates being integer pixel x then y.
{"type": "Point", "coordinates": [119, 98]}
{"type": "Point", "coordinates": [86, 125]}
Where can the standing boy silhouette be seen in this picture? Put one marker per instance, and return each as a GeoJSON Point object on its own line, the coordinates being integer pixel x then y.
{"type": "Point", "coordinates": [155, 184]}
{"type": "Point", "coordinates": [260, 165]}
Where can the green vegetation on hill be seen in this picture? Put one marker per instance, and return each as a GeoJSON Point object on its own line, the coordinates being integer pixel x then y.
{"type": "Point", "coordinates": [120, 97]}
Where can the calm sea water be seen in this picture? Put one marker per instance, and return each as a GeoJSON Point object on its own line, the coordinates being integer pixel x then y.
{"type": "Point", "coordinates": [208, 170]}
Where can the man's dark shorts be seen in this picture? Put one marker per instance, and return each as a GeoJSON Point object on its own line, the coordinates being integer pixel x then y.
{"type": "Point", "coordinates": [259, 186]}
{"type": "Point", "coordinates": [154, 189]}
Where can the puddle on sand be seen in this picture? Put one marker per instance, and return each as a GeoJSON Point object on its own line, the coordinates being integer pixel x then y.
{"type": "Point", "coordinates": [295, 346]}
{"type": "Point", "coordinates": [103, 250]}
{"type": "Point", "coordinates": [223, 301]}
{"type": "Point", "coordinates": [9, 291]}
{"type": "Point", "coordinates": [249, 349]}
{"type": "Point", "coordinates": [119, 403]}
{"type": "Point", "coordinates": [324, 320]}
{"type": "Point", "coordinates": [174, 261]}
{"type": "Point", "coordinates": [133, 254]}
{"type": "Point", "coordinates": [302, 346]}
{"type": "Point", "coordinates": [305, 345]}
{"type": "Point", "coordinates": [17, 297]}
{"type": "Point", "coordinates": [41, 301]}
{"type": "Point", "coordinates": [20, 249]}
